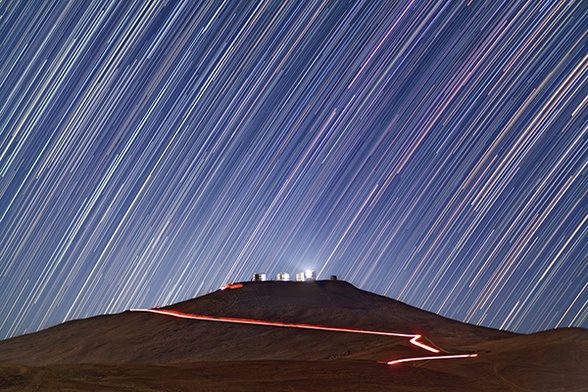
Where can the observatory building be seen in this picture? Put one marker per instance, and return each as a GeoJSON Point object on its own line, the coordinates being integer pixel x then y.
{"type": "Point", "coordinates": [303, 276]}
{"type": "Point", "coordinates": [283, 277]}
{"type": "Point", "coordinates": [259, 277]}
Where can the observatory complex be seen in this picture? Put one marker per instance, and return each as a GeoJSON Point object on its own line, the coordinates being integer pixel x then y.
{"type": "Point", "coordinates": [307, 275]}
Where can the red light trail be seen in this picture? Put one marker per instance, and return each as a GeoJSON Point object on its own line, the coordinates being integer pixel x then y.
{"type": "Point", "coordinates": [414, 359]}
{"type": "Point", "coordinates": [232, 286]}
{"type": "Point", "coordinates": [414, 338]}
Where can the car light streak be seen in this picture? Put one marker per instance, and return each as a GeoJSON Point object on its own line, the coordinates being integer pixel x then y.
{"type": "Point", "coordinates": [416, 342]}
{"type": "Point", "coordinates": [232, 286]}
{"type": "Point", "coordinates": [175, 313]}
{"type": "Point", "coordinates": [414, 338]}
{"type": "Point", "coordinates": [414, 359]}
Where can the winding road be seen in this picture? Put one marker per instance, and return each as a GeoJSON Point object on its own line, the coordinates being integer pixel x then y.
{"type": "Point", "coordinates": [414, 338]}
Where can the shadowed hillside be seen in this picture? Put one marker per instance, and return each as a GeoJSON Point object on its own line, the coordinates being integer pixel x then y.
{"type": "Point", "coordinates": [125, 347]}
{"type": "Point", "coordinates": [133, 337]}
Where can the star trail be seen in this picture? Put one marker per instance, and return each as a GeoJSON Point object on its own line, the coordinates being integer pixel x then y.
{"type": "Point", "coordinates": [433, 152]}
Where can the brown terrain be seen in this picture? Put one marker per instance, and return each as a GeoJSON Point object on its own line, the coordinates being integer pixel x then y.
{"type": "Point", "coordinates": [139, 351]}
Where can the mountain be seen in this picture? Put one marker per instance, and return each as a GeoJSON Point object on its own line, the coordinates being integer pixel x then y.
{"type": "Point", "coordinates": [227, 350]}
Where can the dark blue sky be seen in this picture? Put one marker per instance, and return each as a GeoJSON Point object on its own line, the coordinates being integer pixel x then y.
{"type": "Point", "coordinates": [433, 152]}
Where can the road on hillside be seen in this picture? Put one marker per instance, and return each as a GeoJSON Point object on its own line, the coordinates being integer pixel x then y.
{"type": "Point", "coordinates": [414, 338]}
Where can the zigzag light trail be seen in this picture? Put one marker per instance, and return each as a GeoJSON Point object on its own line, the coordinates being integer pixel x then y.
{"type": "Point", "coordinates": [414, 338]}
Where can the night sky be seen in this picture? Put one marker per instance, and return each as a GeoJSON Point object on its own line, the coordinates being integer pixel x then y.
{"type": "Point", "coordinates": [433, 152]}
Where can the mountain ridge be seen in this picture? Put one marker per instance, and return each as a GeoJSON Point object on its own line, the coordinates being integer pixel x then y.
{"type": "Point", "coordinates": [140, 341]}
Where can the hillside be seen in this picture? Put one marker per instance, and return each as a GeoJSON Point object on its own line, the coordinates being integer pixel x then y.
{"type": "Point", "coordinates": [137, 344]}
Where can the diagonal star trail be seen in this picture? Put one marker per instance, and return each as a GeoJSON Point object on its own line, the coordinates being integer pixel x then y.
{"type": "Point", "coordinates": [434, 152]}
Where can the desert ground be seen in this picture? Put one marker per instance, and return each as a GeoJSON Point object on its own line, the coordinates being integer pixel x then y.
{"type": "Point", "coordinates": [140, 351]}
